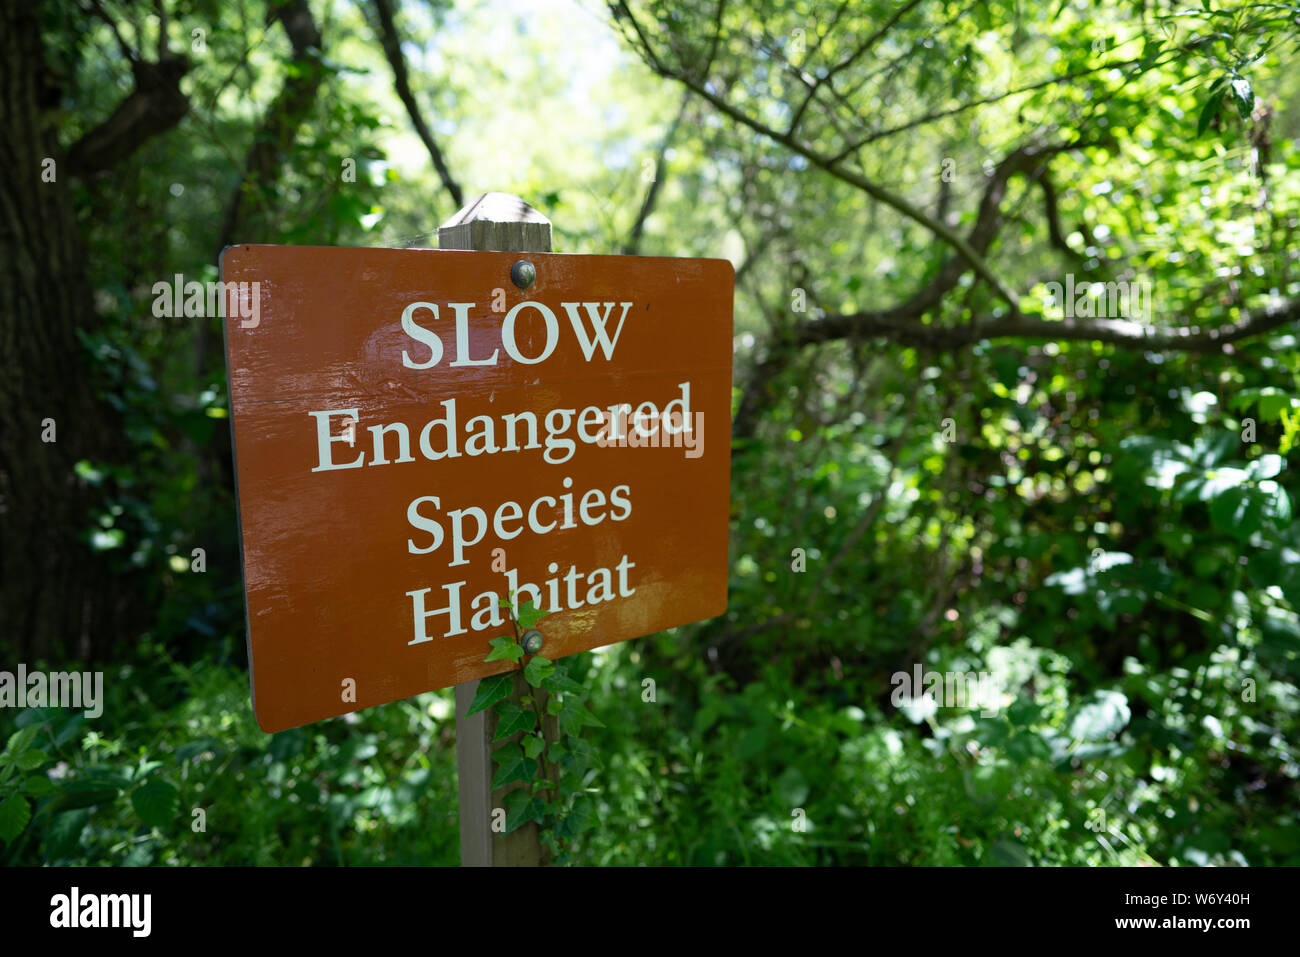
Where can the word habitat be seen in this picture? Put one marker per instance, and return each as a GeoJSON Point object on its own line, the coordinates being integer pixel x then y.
{"type": "Point", "coordinates": [572, 591]}
{"type": "Point", "coordinates": [421, 446]}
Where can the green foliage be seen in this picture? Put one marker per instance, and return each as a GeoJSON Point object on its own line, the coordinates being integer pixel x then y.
{"type": "Point", "coordinates": [1109, 531]}
{"type": "Point", "coordinates": [378, 787]}
{"type": "Point", "coordinates": [543, 752]}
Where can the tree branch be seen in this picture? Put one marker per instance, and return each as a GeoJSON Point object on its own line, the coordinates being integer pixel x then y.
{"type": "Point", "coordinates": [279, 127]}
{"type": "Point", "coordinates": [970, 105]}
{"type": "Point", "coordinates": [1125, 333]}
{"type": "Point", "coordinates": [392, 43]}
{"type": "Point", "coordinates": [844, 64]}
{"type": "Point", "coordinates": [153, 107]}
{"type": "Point", "coordinates": [857, 180]}
{"type": "Point", "coordinates": [652, 193]}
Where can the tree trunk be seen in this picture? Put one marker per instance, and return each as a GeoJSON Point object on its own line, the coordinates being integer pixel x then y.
{"type": "Point", "coordinates": [58, 597]}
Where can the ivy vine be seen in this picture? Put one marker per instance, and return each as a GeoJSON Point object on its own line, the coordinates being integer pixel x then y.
{"type": "Point", "coordinates": [554, 775]}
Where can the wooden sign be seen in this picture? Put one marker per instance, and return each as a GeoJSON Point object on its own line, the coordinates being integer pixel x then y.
{"type": "Point", "coordinates": [417, 438]}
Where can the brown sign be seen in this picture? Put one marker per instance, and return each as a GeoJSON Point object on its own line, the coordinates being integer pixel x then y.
{"type": "Point", "coordinates": [417, 438]}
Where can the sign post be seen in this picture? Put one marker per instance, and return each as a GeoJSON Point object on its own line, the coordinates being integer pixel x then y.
{"type": "Point", "coordinates": [504, 223]}
{"type": "Point", "coordinates": [427, 439]}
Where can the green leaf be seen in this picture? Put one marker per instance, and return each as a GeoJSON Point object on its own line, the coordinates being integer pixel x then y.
{"type": "Point", "coordinates": [521, 807]}
{"type": "Point", "coordinates": [791, 789]}
{"type": "Point", "coordinates": [490, 691]}
{"type": "Point", "coordinates": [1243, 96]}
{"type": "Point", "coordinates": [1238, 511]}
{"type": "Point", "coordinates": [70, 730]}
{"type": "Point", "coordinates": [1026, 746]}
{"type": "Point", "coordinates": [573, 719]}
{"type": "Point", "coordinates": [19, 740]}
{"type": "Point", "coordinates": [512, 766]}
{"type": "Point", "coordinates": [156, 802]}
{"type": "Point", "coordinates": [559, 680]}
{"type": "Point", "coordinates": [1210, 110]}
{"type": "Point", "coordinates": [512, 720]}
{"type": "Point", "coordinates": [504, 648]}
{"type": "Point", "coordinates": [1105, 715]}
{"type": "Point", "coordinates": [39, 786]}
{"type": "Point", "coordinates": [533, 745]}
{"type": "Point", "coordinates": [1008, 853]}
{"type": "Point", "coordinates": [63, 834]}
{"type": "Point", "coordinates": [1267, 466]}
{"type": "Point", "coordinates": [1281, 511]}
{"type": "Point", "coordinates": [287, 745]}
{"type": "Point", "coordinates": [538, 670]}
{"type": "Point", "coordinates": [1272, 402]}
{"type": "Point", "coordinates": [14, 815]}
{"type": "Point", "coordinates": [582, 815]}
{"type": "Point", "coordinates": [530, 614]}
{"type": "Point", "coordinates": [30, 760]}
{"type": "Point", "coordinates": [581, 747]}
{"type": "Point", "coordinates": [86, 793]}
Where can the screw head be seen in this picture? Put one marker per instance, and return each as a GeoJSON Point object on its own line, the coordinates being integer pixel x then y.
{"type": "Point", "coordinates": [523, 273]}
{"type": "Point", "coordinates": [532, 641]}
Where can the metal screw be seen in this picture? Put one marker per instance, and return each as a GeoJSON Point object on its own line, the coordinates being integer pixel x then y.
{"type": "Point", "coordinates": [532, 641]}
{"type": "Point", "coordinates": [523, 273]}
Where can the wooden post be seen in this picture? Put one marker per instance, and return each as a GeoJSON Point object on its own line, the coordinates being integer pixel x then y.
{"type": "Point", "coordinates": [502, 222]}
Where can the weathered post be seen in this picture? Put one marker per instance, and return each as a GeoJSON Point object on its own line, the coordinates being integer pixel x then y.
{"type": "Point", "coordinates": [498, 222]}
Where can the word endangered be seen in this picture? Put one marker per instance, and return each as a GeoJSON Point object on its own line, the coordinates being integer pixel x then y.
{"type": "Point", "coordinates": [440, 437]}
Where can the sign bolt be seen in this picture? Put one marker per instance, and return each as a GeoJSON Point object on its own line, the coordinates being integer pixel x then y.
{"type": "Point", "coordinates": [532, 641]}
{"type": "Point", "coordinates": [523, 273]}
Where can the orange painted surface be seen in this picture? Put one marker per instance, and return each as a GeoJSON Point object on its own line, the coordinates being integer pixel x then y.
{"type": "Point", "coordinates": [337, 559]}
